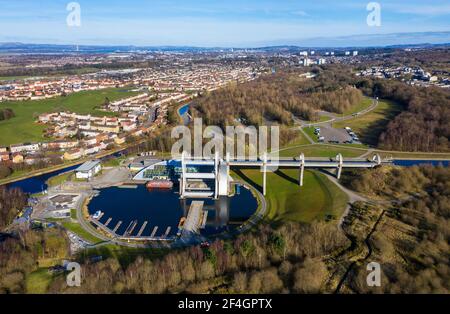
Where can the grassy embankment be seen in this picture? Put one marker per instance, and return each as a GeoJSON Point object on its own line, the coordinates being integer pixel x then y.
{"type": "Point", "coordinates": [23, 127]}
{"type": "Point", "coordinates": [370, 125]}
{"type": "Point", "coordinates": [80, 231]}
{"type": "Point", "coordinates": [125, 255]}
{"type": "Point", "coordinates": [317, 199]}
{"type": "Point", "coordinates": [60, 179]}
{"type": "Point", "coordinates": [321, 150]}
{"type": "Point", "coordinates": [38, 281]}
{"type": "Point", "coordinates": [364, 104]}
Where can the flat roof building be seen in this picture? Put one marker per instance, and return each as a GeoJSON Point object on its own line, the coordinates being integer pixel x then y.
{"type": "Point", "coordinates": [88, 169]}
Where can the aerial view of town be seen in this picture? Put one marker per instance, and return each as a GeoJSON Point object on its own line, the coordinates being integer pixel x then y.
{"type": "Point", "coordinates": [224, 148]}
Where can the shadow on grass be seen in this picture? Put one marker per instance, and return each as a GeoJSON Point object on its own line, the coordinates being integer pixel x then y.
{"type": "Point", "coordinates": [286, 177]}
{"type": "Point", "coordinates": [372, 132]}
{"type": "Point", "coordinates": [248, 180]}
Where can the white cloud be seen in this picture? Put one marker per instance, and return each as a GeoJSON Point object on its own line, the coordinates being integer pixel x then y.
{"type": "Point", "coordinates": [418, 9]}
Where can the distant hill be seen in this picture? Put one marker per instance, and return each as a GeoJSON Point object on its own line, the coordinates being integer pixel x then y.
{"type": "Point", "coordinates": [393, 40]}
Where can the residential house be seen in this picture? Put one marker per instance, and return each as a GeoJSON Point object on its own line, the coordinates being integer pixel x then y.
{"type": "Point", "coordinates": [4, 156]}
{"type": "Point", "coordinates": [17, 158]}
{"type": "Point", "coordinates": [27, 147]}
{"type": "Point", "coordinates": [73, 154]}
{"type": "Point", "coordinates": [119, 140]}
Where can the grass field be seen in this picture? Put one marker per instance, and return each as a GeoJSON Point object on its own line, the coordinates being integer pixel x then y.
{"type": "Point", "coordinates": [363, 105]}
{"type": "Point", "coordinates": [125, 255]}
{"type": "Point", "coordinates": [319, 150]}
{"type": "Point", "coordinates": [310, 131]}
{"type": "Point", "coordinates": [10, 78]}
{"type": "Point", "coordinates": [299, 140]}
{"type": "Point", "coordinates": [77, 229]}
{"type": "Point", "coordinates": [22, 128]}
{"type": "Point", "coordinates": [38, 281]}
{"type": "Point", "coordinates": [59, 179]}
{"type": "Point", "coordinates": [369, 126]}
{"type": "Point", "coordinates": [317, 199]}
{"type": "Point", "coordinates": [113, 162]}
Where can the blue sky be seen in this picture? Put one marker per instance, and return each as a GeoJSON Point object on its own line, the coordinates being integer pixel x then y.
{"type": "Point", "coordinates": [239, 23]}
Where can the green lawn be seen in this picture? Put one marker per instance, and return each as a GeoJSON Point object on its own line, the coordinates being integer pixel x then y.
{"type": "Point", "coordinates": [59, 179]}
{"type": "Point", "coordinates": [299, 140]}
{"type": "Point", "coordinates": [310, 131]}
{"type": "Point", "coordinates": [113, 161]}
{"type": "Point", "coordinates": [22, 128]}
{"type": "Point", "coordinates": [369, 126]}
{"type": "Point", "coordinates": [38, 281]}
{"type": "Point", "coordinates": [125, 255]}
{"type": "Point", "coordinates": [319, 150]}
{"type": "Point", "coordinates": [363, 105]}
{"type": "Point", "coordinates": [10, 78]}
{"type": "Point", "coordinates": [77, 229]}
{"type": "Point", "coordinates": [317, 199]}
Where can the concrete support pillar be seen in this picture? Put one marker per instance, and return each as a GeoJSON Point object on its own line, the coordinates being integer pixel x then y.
{"type": "Point", "coordinates": [227, 159]}
{"type": "Point", "coordinates": [301, 169]}
{"type": "Point", "coordinates": [183, 174]}
{"type": "Point", "coordinates": [340, 161]}
{"type": "Point", "coordinates": [264, 173]}
{"type": "Point", "coordinates": [216, 175]}
{"type": "Point", "coordinates": [377, 159]}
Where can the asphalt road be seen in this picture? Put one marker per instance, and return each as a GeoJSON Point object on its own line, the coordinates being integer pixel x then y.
{"type": "Point", "coordinates": [336, 118]}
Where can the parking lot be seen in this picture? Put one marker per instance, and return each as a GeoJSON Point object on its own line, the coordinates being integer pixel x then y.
{"type": "Point", "coordinates": [329, 134]}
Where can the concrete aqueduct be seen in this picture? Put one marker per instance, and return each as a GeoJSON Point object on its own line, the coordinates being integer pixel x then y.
{"type": "Point", "coordinates": [221, 174]}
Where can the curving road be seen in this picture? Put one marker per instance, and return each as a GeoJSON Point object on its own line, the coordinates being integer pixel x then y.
{"type": "Point", "coordinates": [336, 118]}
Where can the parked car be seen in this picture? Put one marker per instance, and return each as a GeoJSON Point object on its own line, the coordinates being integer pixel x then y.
{"type": "Point", "coordinates": [334, 141]}
{"type": "Point", "coordinates": [321, 138]}
{"type": "Point", "coordinates": [204, 245]}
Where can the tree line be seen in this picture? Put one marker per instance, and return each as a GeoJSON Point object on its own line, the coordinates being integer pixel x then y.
{"type": "Point", "coordinates": [278, 97]}
{"type": "Point", "coordinates": [21, 253]}
{"type": "Point", "coordinates": [268, 260]}
{"type": "Point", "coordinates": [11, 202]}
{"type": "Point", "coordinates": [424, 125]}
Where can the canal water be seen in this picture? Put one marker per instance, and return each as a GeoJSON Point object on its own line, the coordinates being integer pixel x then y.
{"type": "Point", "coordinates": [183, 109]}
{"type": "Point", "coordinates": [183, 112]}
{"type": "Point", "coordinates": [163, 209]}
{"type": "Point", "coordinates": [409, 163]}
{"type": "Point", "coordinates": [37, 184]}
